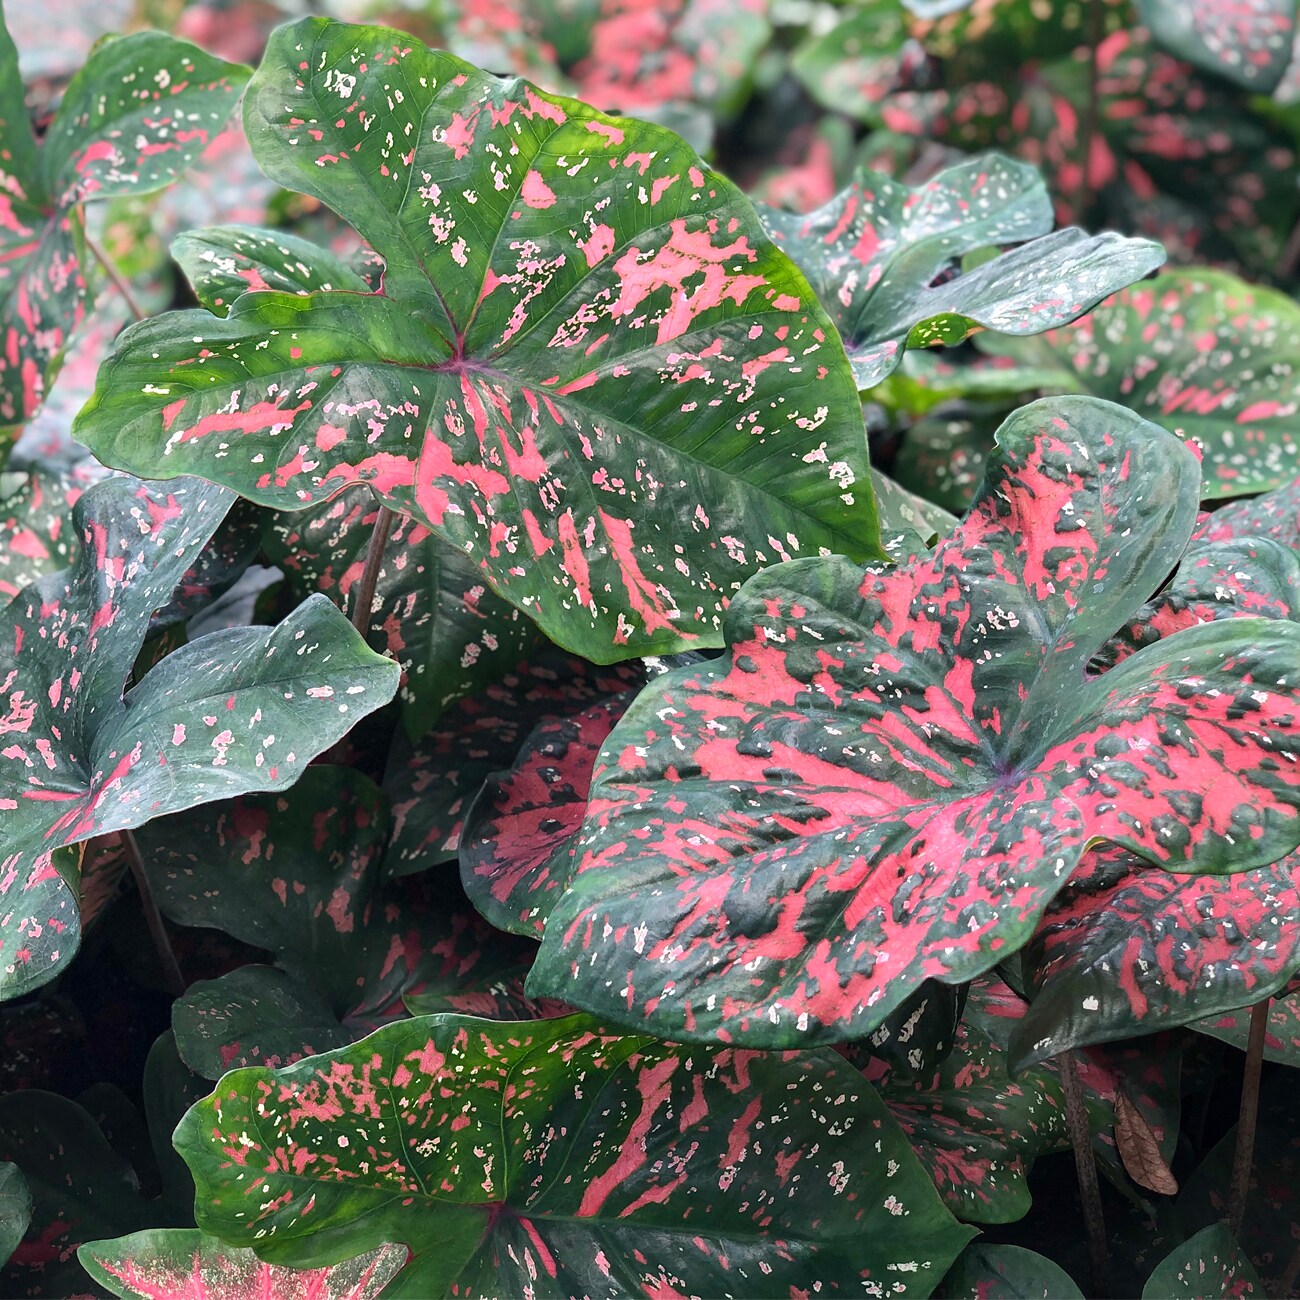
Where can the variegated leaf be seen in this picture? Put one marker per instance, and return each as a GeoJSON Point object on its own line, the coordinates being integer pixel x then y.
{"type": "Point", "coordinates": [988, 1271]}
{"type": "Point", "coordinates": [15, 1209]}
{"type": "Point", "coordinates": [874, 250]}
{"type": "Point", "coordinates": [40, 921]}
{"type": "Point", "coordinates": [1246, 41]}
{"type": "Point", "coordinates": [1275, 515]}
{"type": "Point", "coordinates": [186, 1264]}
{"type": "Point", "coordinates": [1281, 1038]}
{"type": "Point", "coordinates": [36, 533]}
{"type": "Point", "coordinates": [891, 774]}
{"type": "Point", "coordinates": [1127, 949]}
{"type": "Point", "coordinates": [449, 631]}
{"type": "Point", "coordinates": [1211, 1263]}
{"type": "Point", "coordinates": [568, 377]}
{"type": "Point", "coordinates": [243, 709]}
{"type": "Point", "coordinates": [1200, 352]}
{"type": "Point", "coordinates": [548, 1155]}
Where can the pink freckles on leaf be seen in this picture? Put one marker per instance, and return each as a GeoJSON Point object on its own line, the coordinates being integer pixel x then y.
{"type": "Point", "coordinates": [574, 558]}
{"type": "Point", "coordinates": [258, 417]}
{"type": "Point", "coordinates": [610, 132]}
{"type": "Point", "coordinates": [98, 151]}
{"type": "Point", "coordinates": [339, 911]}
{"type": "Point", "coordinates": [536, 193]}
{"type": "Point", "coordinates": [599, 246]}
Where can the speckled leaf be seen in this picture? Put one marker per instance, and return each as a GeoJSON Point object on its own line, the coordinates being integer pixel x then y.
{"type": "Point", "coordinates": [131, 120]}
{"type": "Point", "coordinates": [1201, 353]}
{"type": "Point", "coordinates": [1281, 1040]}
{"type": "Point", "coordinates": [586, 355]}
{"type": "Point", "coordinates": [242, 709]}
{"type": "Point", "coordinates": [1246, 41]}
{"type": "Point", "coordinates": [874, 250]}
{"type": "Point", "coordinates": [989, 1271]}
{"type": "Point", "coordinates": [902, 512]}
{"type": "Point", "coordinates": [36, 533]}
{"type": "Point", "coordinates": [80, 1188]}
{"type": "Point", "coordinates": [434, 782]}
{"type": "Point", "coordinates": [547, 1154]}
{"type": "Point", "coordinates": [1275, 515]}
{"type": "Point", "coordinates": [40, 923]}
{"type": "Point", "coordinates": [852, 67]}
{"type": "Point", "coordinates": [15, 1209]}
{"type": "Point", "coordinates": [914, 1039]}
{"type": "Point", "coordinates": [221, 262]}
{"type": "Point", "coordinates": [944, 454]}
{"type": "Point", "coordinates": [1209, 1264]}
{"type": "Point", "coordinates": [449, 631]}
{"type": "Point", "coordinates": [892, 773]}
{"type": "Point", "coordinates": [185, 1264]}
{"type": "Point", "coordinates": [516, 851]}
{"type": "Point", "coordinates": [1129, 949]}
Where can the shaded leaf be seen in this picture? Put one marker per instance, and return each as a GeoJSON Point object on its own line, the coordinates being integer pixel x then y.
{"type": "Point", "coordinates": [1275, 515]}
{"type": "Point", "coordinates": [585, 1187]}
{"type": "Point", "coordinates": [185, 1264]}
{"type": "Point", "coordinates": [944, 454]}
{"type": "Point", "coordinates": [511, 387]}
{"type": "Point", "coordinates": [1200, 352]}
{"type": "Point", "coordinates": [1209, 1264]}
{"type": "Point", "coordinates": [1139, 1151]}
{"type": "Point", "coordinates": [1281, 1038]}
{"type": "Point", "coordinates": [891, 774]}
{"type": "Point", "coordinates": [170, 1089]}
{"type": "Point", "coordinates": [1246, 41]}
{"type": "Point", "coordinates": [987, 1271]}
{"type": "Point", "coordinates": [15, 1209]}
{"type": "Point", "coordinates": [874, 250]}
{"type": "Point", "coordinates": [903, 512]}
{"type": "Point", "coordinates": [40, 922]}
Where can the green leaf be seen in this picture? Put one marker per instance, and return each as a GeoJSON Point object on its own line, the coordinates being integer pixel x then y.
{"type": "Point", "coordinates": [449, 631]}
{"type": "Point", "coordinates": [138, 114]}
{"type": "Point", "coordinates": [15, 1209]}
{"type": "Point", "coordinates": [1202, 353]}
{"type": "Point", "coordinates": [892, 773]}
{"type": "Point", "coordinates": [80, 1189]}
{"type": "Point", "coordinates": [1250, 43]}
{"type": "Point", "coordinates": [985, 1271]}
{"type": "Point", "coordinates": [872, 252]}
{"type": "Point", "coordinates": [1210, 1264]}
{"type": "Point", "coordinates": [903, 512]}
{"type": "Point", "coordinates": [852, 67]}
{"type": "Point", "coordinates": [1281, 1038]}
{"type": "Point", "coordinates": [238, 710]}
{"type": "Point", "coordinates": [607, 388]}
{"type": "Point", "coordinates": [221, 262]}
{"type": "Point", "coordinates": [550, 1154]}
{"type": "Point", "coordinates": [186, 1264]}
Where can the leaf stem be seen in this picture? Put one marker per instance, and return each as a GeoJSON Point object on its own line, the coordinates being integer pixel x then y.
{"type": "Point", "coordinates": [115, 276]}
{"type": "Point", "coordinates": [1244, 1154]}
{"type": "Point", "coordinates": [365, 593]}
{"type": "Point", "coordinates": [153, 917]}
{"type": "Point", "coordinates": [1076, 1121]}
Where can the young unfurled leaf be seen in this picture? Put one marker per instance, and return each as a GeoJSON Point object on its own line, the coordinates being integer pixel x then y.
{"type": "Point", "coordinates": [985, 1270]}
{"type": "Point", "coordinates": [891, 774]}
{"type": "Point", "coordinates": [131, 120]}
{"type": "Point", "coordinates": [449, 631]}
{"type": "Point", "coordinates": [548, 1155]}
{"type": "Point", "coordinates": [873, 251]}
{"type": "Point", "coordinates": [1211, 1263]}
{"type": "Point", "coordinates": [1202, 353]}
{"type": "Point", "coordinates": [589, 369]}
{"type": "Point", "coordinates": [1248, 42]}
{"type": "Point", "coordinates": [242, 709]}
{"type": "Point", "coordinates": [1128, 949]}
{"type": "Point", "coordinates": [185, 1264]}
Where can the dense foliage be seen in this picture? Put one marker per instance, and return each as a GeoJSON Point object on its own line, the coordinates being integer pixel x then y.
{"type": "Point", "coordinates": [634, 664]}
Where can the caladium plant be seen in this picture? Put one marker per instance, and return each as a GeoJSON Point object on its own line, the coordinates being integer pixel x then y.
{"type": "Point", "coordinates": [892, 773]}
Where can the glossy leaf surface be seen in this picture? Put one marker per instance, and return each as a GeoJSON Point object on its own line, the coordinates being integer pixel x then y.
{"type": "Point", "coordinates": [1200, 352]}
{"type": "Point", "coordinates": [986, 1271]}
{"type": "Point", "coordinates": [891, 774]}
{"type": "Point", "coordinates": [563, 371]}
{"type": "Point", "coordinates": [872, 252]}
{"type": "Point", "coordinates": [547, 1154]}
{"type": "Point", "coordinates": [185, 1264]}
{"type": "Point", "coordinates": [243, 709]}
{"type": "Point", "coordinates": [1211, 1263]}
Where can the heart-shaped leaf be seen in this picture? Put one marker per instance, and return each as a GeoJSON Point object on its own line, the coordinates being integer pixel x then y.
{"type": "Point", "coordinates": [1281, 1039]}
{"type": "Point", "coordinates": [1209, 1264]}
{"type": "Point", "coordinates": [132, 120]}
{"type": "Point", "coordinates": [891, 774]}
{"type": "Point", "coordinates": [1246, 41]}
{"type": "Point", "coordinates": [449, 631]}
{"type": "Point", "coordinates": [988, 1271]}
{"type": "Point", "coordinates": [434, 782]}
{"type": "Point", "coordinates": [15, 1209]}
{"type": "Point", "coordinates": [1127, 949]}
{"type": "Point", "coordinates": [185, 1264]}
{"type": "Point", "coordinates": [1200, 352]}
{"type": "Point", "coordinates": [243, 709]}
{"type": "Point", "coordinates": [874, 250]}
{"type": "Point", "coordinates": [80, 1189]}
{"type": "Point", "coordinates": [221, 262]}
{"type": "Point", "coordinates": [547, 1154]}
{"type": "Point", "coordinates": [608, 388]}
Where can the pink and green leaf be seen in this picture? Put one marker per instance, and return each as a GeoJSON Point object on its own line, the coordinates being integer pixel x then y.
{"type": "Point", "coordinates": [40, 920]}
{"type": "Point", "coordinates": [1282, 1037]}
{"type": "Point", "coordinates": [1210, 1263]}
{"type": "Point", "coordinates": [891, 774]}
{"type": "Point", "coordinates": [874, 250]}
{"type": "Point", "coordinates": [555, 379]}
{"type": "Point", "coordinates": [1249, 42]}
{"type": "Point", "coordinates": [503, 1155]}
{"type": "Point", "coordinates": [987, 1269]}
{"type": "Point", "coordinates": [186, 1264]}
